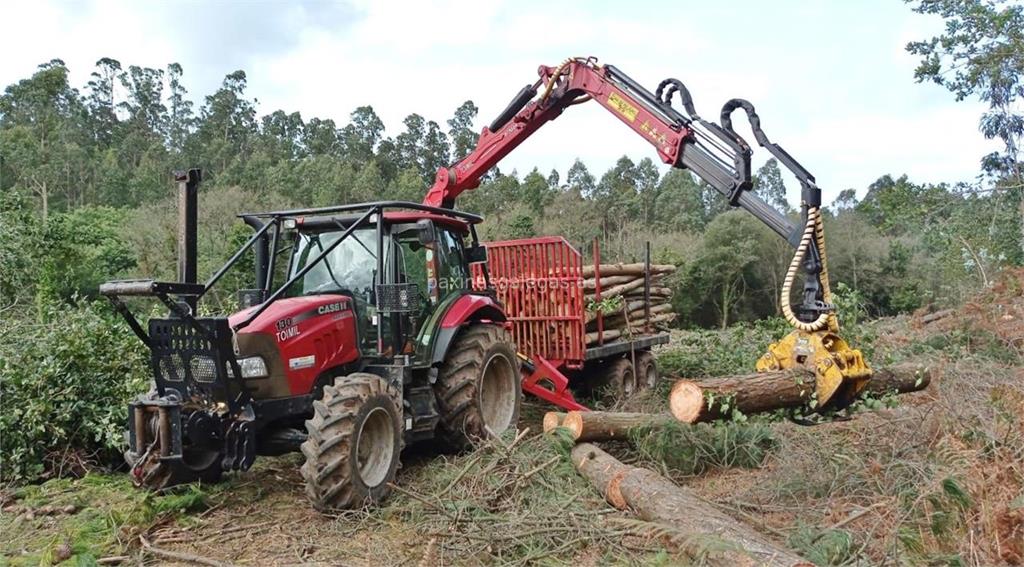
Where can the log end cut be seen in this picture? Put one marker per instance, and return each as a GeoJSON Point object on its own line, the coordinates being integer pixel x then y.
{"type": "Point", "coordinates": [552, 420]}
{"type": "Point", "coordinates": [686, 401]}
{"type": "Point", "coordinates": [574, 423]}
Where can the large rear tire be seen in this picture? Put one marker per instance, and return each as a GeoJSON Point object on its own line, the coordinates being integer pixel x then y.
{"type": "Point", "coordinates": [478, 388]}
{"type": "Point", "coordinates": [355, 438]}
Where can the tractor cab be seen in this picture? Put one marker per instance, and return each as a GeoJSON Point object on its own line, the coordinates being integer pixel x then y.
{"type": "Point", "coordinates": [425, 261]}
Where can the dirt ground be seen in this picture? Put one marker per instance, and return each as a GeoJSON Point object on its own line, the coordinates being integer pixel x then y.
{"type": "Point", "coordinates": [932, 478]}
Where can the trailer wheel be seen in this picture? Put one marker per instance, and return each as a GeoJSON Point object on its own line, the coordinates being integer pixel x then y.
{"type": "Point", "coordinates": [616, 381]}
{"type": "Point", "coordinates": [355, 437]}
{"type": "Point", "coordinates": [478, 387]}
{"type": "Point", "coordinates": [646, 371]}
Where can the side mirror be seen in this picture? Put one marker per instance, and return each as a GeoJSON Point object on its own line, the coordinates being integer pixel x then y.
{"type": "Point", "coordinates": [476, 254]}
{"type": "Point", "coordinates": [425, 232]}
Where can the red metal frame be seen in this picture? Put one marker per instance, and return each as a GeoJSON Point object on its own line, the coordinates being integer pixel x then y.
{"type": "Point", "coordinates": [539, 282]}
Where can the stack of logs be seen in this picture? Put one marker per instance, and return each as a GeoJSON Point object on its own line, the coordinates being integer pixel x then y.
{"type": "Point", "coordinates": [622, 288]}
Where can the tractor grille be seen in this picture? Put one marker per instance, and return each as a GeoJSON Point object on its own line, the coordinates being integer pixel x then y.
{"type": "Point", "coordinates": [172, 368]}
{"type": "Point", "coordinates": [204, 369]}
{"type": "Point", "coordinates": [191, 361]}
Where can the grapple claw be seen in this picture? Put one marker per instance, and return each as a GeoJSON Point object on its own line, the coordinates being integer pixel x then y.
{"type": "Point", "coordinates": [840, 371]}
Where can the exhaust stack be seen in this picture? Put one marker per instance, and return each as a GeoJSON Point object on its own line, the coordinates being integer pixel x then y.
{"type": "Point", "coordinates": [188, 205]}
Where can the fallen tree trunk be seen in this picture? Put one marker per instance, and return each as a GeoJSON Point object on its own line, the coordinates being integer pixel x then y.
{"type": "Point", "coordinates": [626, 269]}
{"type": "Point", "coordinates": [706, 533]}
{"type": "Point", "coordinates": [608, 426]}
{"type": "Point", "coordinates": [932, 317]}
{"type": "Point", "coordinates": [769, 391]}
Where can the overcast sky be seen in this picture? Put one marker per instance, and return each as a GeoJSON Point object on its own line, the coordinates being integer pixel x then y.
{"type": "Point", "coordinates": [830, 79]}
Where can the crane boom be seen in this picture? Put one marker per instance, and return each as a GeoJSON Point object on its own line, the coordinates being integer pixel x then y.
{"type": "Point", "coordinates": [717, 154]}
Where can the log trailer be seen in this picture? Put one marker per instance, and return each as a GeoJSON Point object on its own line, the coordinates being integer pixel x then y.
{"type": "Point", "coordinates": [375, 325]}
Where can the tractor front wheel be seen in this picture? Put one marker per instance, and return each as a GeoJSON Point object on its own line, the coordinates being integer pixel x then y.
{"type": "Point", "coordinates": [355, 438]}
{"type": "Point", "coordinates": [478, 388]}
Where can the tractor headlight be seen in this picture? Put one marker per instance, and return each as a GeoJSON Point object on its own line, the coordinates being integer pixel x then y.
{"type": "Point", "coordinates": [253, 367]}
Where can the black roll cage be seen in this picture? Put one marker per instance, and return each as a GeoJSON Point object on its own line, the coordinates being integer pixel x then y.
{"type": "Point", "coordinates": [190, 293]}
{"type": "Point", "coordinates": [277, 218]}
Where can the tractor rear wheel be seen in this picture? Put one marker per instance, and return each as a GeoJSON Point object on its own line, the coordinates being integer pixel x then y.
{"type": "Point", "coordinates": [646, 371]}
{"type": "Point", "coordinates": [355, 438]}
{"type": "Point", "coordinates": [478, 388]}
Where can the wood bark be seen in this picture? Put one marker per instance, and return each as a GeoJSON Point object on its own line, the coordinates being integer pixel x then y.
{"type": "Point", "coordinates": [656, 292]}
{"type": "Point", "coordinates": [609, 426]}
{"type": "Point", "coordinates": [938, 315]}
{"type": "Point", "coordinates": [622, 289]}
{"type": "Point", "coordinates": [591, 284]}
{"type": "Point", "coordinates": [634, 316]}
{"type": "Point", "coordinates": [703, 527]}
{"type": "Point", "coordinates": [769, 391]}
{"type": "Point", "coordinates": [636, 327]}
{"type": "Point", "coordinates": [624, 269]}
{"type": "Point", "coordinates": [631, 306]}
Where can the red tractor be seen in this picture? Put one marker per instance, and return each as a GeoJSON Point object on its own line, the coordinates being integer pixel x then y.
{"type": "Point", "coordinates": [367, 329]}
{"type": "Point", "coordinates": [374, 339]}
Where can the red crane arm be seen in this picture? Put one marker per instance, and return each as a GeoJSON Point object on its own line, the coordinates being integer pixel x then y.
{"type": "Point", "coordinates": [575, 81]}
{"type": "Point", "coordinates": [712, 151]}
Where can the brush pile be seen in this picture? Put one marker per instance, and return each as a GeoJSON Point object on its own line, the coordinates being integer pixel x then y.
{"type": "Point", "coordinates": [622, 305]}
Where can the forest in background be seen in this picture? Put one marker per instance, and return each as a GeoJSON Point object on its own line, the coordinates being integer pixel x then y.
{"type": "Point", "coordinates": [85, 197]}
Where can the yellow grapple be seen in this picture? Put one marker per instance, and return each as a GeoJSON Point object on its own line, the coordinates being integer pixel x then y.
{"type": "Point", "coordinates": [840, 371]}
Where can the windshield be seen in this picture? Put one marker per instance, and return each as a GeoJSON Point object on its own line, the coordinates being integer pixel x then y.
{"type": "Point", "coordinates": [349, 267]}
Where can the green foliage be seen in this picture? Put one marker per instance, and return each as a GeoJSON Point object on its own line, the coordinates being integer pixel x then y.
{"type": "Point", "coordinates": [21, 236]}
{"type": "Point", "coordinates": [106, 507]}
{"type": "Point", "coordinates": [701, 353]}
{"type": "Point", "coordinates": [83, 249]}
{"type": "Point", "coordinates": [823, 546]}
{"type": "Point", "coordinates": [693, 449]}
{"type": "Point", "coordinates": [65, 385]}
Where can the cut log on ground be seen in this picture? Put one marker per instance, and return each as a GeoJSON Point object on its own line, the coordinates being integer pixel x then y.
{"type": "Point", "coordinates": [552, 420]}
{"type": "Point", "coordinates": [609, 426]}
{"type": "Point", "coordinates": [938, 315]}
{"type": "Point", "coordinates": [708, 534]}
{"type": "Point", "coordinates": [627, 269]}
{"type": "Point", "coordinates": [769, 391]}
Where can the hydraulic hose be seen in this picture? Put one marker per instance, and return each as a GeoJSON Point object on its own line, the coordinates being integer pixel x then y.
{"type": "Point", "coordinates": [814, 230]}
